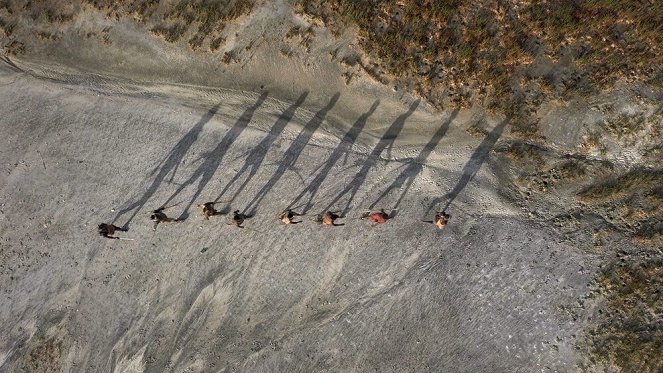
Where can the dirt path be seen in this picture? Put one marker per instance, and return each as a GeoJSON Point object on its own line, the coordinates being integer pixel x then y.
{"type": "Point", "coordinates": [484, 294]}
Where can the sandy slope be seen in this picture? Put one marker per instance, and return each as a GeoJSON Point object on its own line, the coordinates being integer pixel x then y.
{"type": "Point", "coordinates": [485, 294]}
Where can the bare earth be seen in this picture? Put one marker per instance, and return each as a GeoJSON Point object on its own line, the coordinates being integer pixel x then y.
{"type": "Point", "coordinates": [492, 292]}
{"type": "Point", "coordinates": [482, 294]}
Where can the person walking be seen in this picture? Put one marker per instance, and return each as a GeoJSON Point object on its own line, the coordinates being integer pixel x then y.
{"type": "Point", "coordinates": [107, 230]}
{"type": "Point", "coordinates": [329, 218]}
{"type": "Point", "coordinates": [376, 218]}
{"type": "Point", "coordinates": [158, 216]}
{"type": "Point", "coordinates": [441, 219]}
{"type": "Point", "coordinates": [238, 218]}
{"type": "Point", "coordinates": [208, 210]}
{"type": "Point", "coordinates": [287, 216]}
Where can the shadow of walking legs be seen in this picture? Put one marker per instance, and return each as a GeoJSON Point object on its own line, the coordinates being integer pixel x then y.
{"type": "Point", "coordinates": [472, 166]}
{"type": "Point", "coordinates": [342, 148]}
{"type": "Point", "coordinates": [414, 167]}
{"type": "Point", "coordinates": [257, 155]}
{"type": "Point", "coordinates": [385, 143]}
{"type": "Point", "coordinates": [167, 166]}
{"type": "Point", "coordinates": [292, 154]}
{"type": "Point", "coordinates": [212, 159]}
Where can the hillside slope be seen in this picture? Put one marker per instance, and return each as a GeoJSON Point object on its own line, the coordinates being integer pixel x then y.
{"type": "Point", "coordinates": [483, 294]}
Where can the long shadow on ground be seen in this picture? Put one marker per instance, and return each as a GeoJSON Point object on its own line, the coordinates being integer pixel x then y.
{"type": "Point", "coordinates": [385, 143]}
{"type": "Point", "coordinates": [257, 155]}
{"type": "Point", "coordinates": [167, 166]}
{"type": "Point", "coordinates": [212, 159]}
{"type": "Point", "coordinates": [291, 154]}
{"type": "Point", "coordinates": [472, 166]}
{"type": "Point", "coordinates": [407, 176]}
{"type": "Point", "coordinates": [343, 148]}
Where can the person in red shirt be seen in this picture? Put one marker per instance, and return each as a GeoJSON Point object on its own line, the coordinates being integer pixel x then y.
{"type": "Point", "coordinates": [377, 217]}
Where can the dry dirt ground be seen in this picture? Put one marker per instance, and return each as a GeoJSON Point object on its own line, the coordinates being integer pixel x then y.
{"type": "Point", "coordinates": [98, 131]}
{"type": "Point", "coordinates": [484, 294]}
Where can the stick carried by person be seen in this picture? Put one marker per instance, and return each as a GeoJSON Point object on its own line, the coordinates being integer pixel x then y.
{"type": "Point", "coordinates": [171, 206]}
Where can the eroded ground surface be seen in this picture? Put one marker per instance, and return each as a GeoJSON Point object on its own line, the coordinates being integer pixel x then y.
{"type": "Point", "coordinates": [486, 293]}
{"type": "Point", "coordinates": [551, 260]}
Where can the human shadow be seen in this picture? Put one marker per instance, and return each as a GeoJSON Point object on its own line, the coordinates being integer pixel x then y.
{"type": "Point", "coordinates": [472, 166]}
{"type": "Point", "coordinates": [386, 142]}
{"type": "Point", "coordinates": [168, 165]}
{"type": "Point", "coordinates": [291, 154]}
{"type": "Point", "coordinates": [410, 172]}
{"type": "Point", "coordinates": [257, 155]}
{"type": "Point", "coordinates": [343, 147]}
{"type": "Point", "coordinates": [212, 160]}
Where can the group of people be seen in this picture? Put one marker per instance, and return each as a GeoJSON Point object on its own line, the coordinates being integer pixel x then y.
{"type": "Point", "coordinates": [287, 217]}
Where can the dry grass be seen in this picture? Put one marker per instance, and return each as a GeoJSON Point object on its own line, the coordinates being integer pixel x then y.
{"type": "Point", "coordinates": [634, 201]}
{"type": "Point", "coordinates": [572, 169]}
{"type": "Point", "coordinates": [629, 334]}
{"type": "Point", "coordinates": [619, 187]}
{"type": "Point", "coordinates": [490, 46]}
{"type": "Point", "coordinates": [15, 48]}
{"type": "Point", "coordinates": [630, 330]}
{"type": "Point", "coordinates": [305, 35]}
{"type": "Point", "coordinates": [46, 357]}
{"type": "Point", "coordinates": [626, 125]}
{"type": "Point", "coordinates": [525, 154]}
{"type": "Point", "coordinates": [201, 21]}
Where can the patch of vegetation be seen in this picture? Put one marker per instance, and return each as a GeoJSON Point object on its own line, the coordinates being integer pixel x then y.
{"type": "Point", "coordinates": [139, 9]}
{"type": "Point", "coordinates": [617, 188]}
{"type": "Point", "coordinates": [572, 169]}
{"type": "Point", "coordinates": [170, 33]}
{"type": "Point", "coordinates": [202, 20]}
{"type": "Point", "coordinates": [305, 34]}
{"type": "Point", "coordinates": [59, 14]}
{"type": "Point", "coordinates": [45, 35]}
{"type": "Point", "coordinates": [46, 357]}
{"type": "Point", "coordinates": [476, 130]}
{"type": "Point", "coordinates": [657, 79]}
{"type": "Point", "coordinates": [230, 56]}
{"type": "Point", "coordinates": [215, 44]}
{"type": "Point", "coordinates": [632, 201]}
{"type": "Point", "coordinates": [592, 142]}
{"type": "Point", "coordinates": [626, 125]}
{"type": "Point", "coordinates": [496, 47]}
{"type": "Point", "coordinates": [524, 127]}
{"type": "Point", "coordinates": [6, 27]}
{"type": "Point", "coordinates": [15, 48]}
{"type": "Point", "coordinates": [525, 153]}
{"type": "Point", "coordinates": [209, 16]}
{"type": "Point", "coordinates": [629, 334]}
